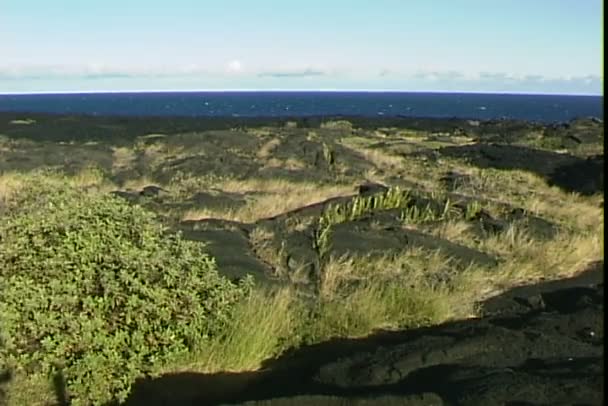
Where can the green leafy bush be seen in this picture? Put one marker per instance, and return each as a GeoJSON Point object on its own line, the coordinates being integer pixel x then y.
{"type": "Point", "coordinates": [97, 289]}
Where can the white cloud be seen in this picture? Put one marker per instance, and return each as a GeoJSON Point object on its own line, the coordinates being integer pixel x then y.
{"type": "Point", "coordinates": [308, 72]}
{"type": "Point", "coordinates": [95, 71]}
{"type": "Point", "coordinates": [234, 66]}
{"type": "Point", "coordinates": [21, 76]}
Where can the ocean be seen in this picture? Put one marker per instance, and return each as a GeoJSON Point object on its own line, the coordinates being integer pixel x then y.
{"type": "Point", "coordinates": [539, 108]}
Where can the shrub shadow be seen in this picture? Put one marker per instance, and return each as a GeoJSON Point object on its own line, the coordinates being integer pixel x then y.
{"type": "Point", "coordinates": [427, 365]}
{"type": "Point", "coordinates": [59, 385]}
{"type": "Point", "coordinates": [5, 378]}
{"type": "Point", "coordinates": [290, 375]}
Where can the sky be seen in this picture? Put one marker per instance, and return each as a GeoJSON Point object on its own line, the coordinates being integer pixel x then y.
{"type": "Point", "coordinates": [511, 46]}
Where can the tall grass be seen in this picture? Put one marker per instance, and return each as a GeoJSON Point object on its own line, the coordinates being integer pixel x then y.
{"type": "Point", "coordinates": [267, 323]}
{"type": "Point", "coordinates": [361, 294]}
{"type": "Point", "coordinates": [357, 296]}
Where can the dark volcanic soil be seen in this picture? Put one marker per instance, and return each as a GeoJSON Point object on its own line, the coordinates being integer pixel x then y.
{"type": "Point", "coordinates": [585, 176]}
{"type": "Point", "coordinates": [537, 345]}
{"type": "Point", "coordinates": [534, 345]}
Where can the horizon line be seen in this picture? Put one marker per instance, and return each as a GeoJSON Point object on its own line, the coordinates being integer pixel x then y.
{"type": "Point", "coordinates": [143, 91]}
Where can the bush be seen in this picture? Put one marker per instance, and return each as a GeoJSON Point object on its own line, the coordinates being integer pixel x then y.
{"type": "Point", "coordinates": [98, 290]}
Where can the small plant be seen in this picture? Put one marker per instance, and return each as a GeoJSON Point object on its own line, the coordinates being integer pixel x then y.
{"type": "Point", "coordinates": [415, 215]}
{"type": "Point", "coordinates": [450, 211]}
{"type": "Point", "coordinates": [322, 238]}
{"type": "Point", "coordinates": [91, 176]}
{"type": "Point", "coordinates": [360, 206]}
{"type": "Point", "coordinates": [356, 208]}
{"type": "Point", "coordinates": [393, 198]}
{"type": "Point", "coordinates": [472, 210]}
{"type": "Point", "coordinates": [328, 155]}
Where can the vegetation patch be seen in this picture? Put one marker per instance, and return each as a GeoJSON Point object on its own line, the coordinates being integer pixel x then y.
{"type": "Point", "coordinates": [98, 291]}
{"type": "Point", "coordinates": [413, 209]}
{"type": "Point", "coordinates": [348, 227]}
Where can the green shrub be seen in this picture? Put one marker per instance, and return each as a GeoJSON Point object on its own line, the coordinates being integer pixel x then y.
{"type": "Point", "coordinates": [98, 290]}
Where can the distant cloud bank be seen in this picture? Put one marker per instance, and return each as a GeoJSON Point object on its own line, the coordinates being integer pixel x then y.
{"type": "Point", "coordinates": [233, 75]}
{"type": "Point", "coordinates": [287, 74]}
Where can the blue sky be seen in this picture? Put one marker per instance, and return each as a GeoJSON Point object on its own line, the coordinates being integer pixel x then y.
{"type": "Point", "coordinates": [530, 46]}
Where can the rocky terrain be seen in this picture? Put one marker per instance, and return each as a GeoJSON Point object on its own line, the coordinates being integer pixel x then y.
{"type": "Point", "coordinates": [537, 345]}
{"type": "Point", "coordinates": [286, 200]}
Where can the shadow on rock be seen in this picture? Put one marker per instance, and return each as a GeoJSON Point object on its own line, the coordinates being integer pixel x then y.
{"type": "Point", "coordinates": [583, 176]}
{"type": "Point", "coordinates": [549, 354]}
{"type": "Point", "coordinates": [570, 173]}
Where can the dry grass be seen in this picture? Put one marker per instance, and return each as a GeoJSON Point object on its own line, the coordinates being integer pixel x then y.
{"type": "Point", "coordinates": [260, 235]}
{"type": "Point", "coordinates": [10, 183]}
{"type": "Point", "coordinates": [411, 168]}
{"type": "Point", "coordinates": [411, 289]}
{"type": "Point", "coordinates": [157, 153]}
{"type": "Point", "coordinates": [531, 192]}
{"type": "Point", "coordinates": [292, 164]}
{"type": "Point", "coordinates": [91, 178]}
{"type": "Point", "coordinates": [381, 306]}
{"type": "Point", "coordinates": [456, 230]}
{"type": "Point", "coordinates": [411, 134]}
{"type": "Point", "coordinates": [30, 390]}
{"type": "Point", "coordinates": [360, 294]}
{"type": "Point", "coordinates": [523, 260]}
{"type": "Point", "coordinates": [391, 293]}
{"type": "Point", "coordinates": [514, 186]}
{"type": "Point", "coordinates": [581, 212]}
{"type": "Point", "coordinates": [526, 260]}
{"type": "Point", "coordinates": [436, 290]}
{"type": "Point", "coordinates": [267, 148]}
{"type": "Point", "coordinates": [263, 327]}
{"type": "Point", "coordinates": [381, 159]}
{"type": "Point", "coordinates": [416, 263]}
{"type": "Point", "coordinates": [272, 198]}
{"type": "Point", "coordinates": [262, 241]}
{"type": "Point", "coordinates": [6, 144]}
{"type": "Point", "coordinates": [388, 162]}
{"type": "Point", "coordinates": [122, 158]}
{"type": "Point", "coordinates": [260, 132]}
{"type": "Point", "coordinates": [357, 142]}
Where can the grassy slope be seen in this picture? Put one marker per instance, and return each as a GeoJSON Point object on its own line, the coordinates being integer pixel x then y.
{"type": "Point", "coordinates": [265, 172]}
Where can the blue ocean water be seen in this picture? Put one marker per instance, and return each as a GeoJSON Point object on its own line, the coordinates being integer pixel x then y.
{"type": "Point", "coordinates": [541, 108]}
